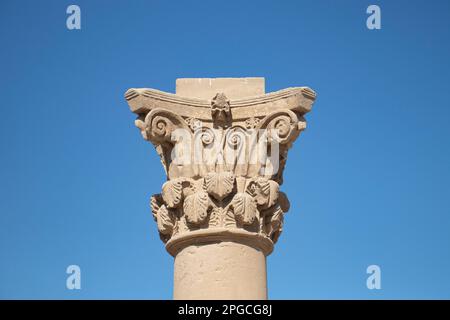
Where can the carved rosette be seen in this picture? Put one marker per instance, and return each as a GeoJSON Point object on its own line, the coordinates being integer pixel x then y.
{"type": "Point", "coordinates": [225, 184]}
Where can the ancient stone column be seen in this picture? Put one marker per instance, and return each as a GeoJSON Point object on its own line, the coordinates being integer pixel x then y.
{"type": "Point", "coordinates": [223, 143]}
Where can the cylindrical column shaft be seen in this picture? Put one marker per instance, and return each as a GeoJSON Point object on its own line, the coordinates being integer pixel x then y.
{"type": "Point", "coordinates": [224, 270]}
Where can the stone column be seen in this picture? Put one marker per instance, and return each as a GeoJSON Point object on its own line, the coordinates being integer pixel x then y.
{"type": "Point", "coordinates": [223, 143]}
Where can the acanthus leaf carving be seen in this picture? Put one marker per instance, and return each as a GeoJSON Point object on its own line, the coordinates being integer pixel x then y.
{"type": "Point", "coordinates": [244, 208]}
{"type": "Point", "coordinates": [196, 207]}
{"type": "Point", "coordinates": [229, 219]}
{"type": "Point", "coordinates": [165, 220]}
{"type": "Point", "coordinates": [219, 185]}
{"type": "Point", "coordinates": [172, 192]}
{"type": "Point", "coordinates": [274, 218]}
{"type": "Point", "coordinates": [155, 203]}
{"type": "Point", "coordinates": [254, 200]}
{"type": "Point", "coordinates": [216, 217]}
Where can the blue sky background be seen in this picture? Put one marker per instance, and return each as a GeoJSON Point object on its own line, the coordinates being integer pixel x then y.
{"type": "Point", "coordinates": [368, 180]}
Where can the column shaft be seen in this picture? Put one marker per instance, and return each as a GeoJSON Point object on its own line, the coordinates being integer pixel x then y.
{"type": "Point", "coordinates": [225, 270]}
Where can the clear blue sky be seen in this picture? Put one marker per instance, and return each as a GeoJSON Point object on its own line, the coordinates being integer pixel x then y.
{"type": "Point", "coordinates": [368, 180]}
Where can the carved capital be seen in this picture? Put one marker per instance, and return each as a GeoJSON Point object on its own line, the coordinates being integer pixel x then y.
{"type": "Point", "coordinates": [224, 161]}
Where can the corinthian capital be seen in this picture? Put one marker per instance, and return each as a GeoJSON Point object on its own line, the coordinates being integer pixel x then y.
{"type": "Point", "coordinates": [224, 156]}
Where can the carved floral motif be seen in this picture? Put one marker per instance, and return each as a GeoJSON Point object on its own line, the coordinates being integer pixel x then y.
{"type": "Point", "coordinates": [193, 123]}
{"type": "Point", "coordinates": [220, 184]}
{"type": "Point", "coordinates": [172, 193]}
{"type": "Point", "coordinates": [255, 205]}
{"type": "Point", "coordinates": [244, 208]}
{"type": "Point", "coordinates": [196, 207]}
{"type": "Point", "coordinates": [251, 123]}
